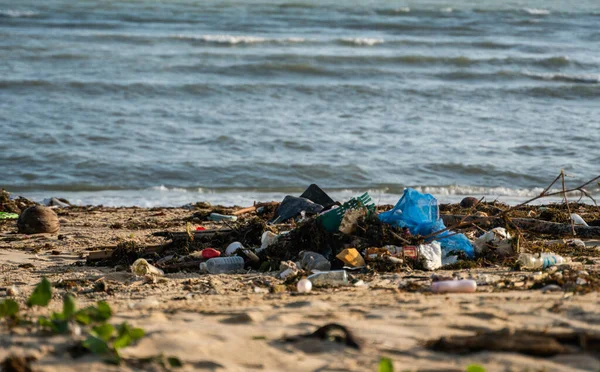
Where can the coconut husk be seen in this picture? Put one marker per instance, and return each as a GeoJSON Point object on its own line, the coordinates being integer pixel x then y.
{"type": "Point", "coordinates": [38, 220]}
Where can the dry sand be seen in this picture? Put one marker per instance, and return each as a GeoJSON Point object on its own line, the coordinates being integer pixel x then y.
{"type": "Point", "coordinates": [233, 322]}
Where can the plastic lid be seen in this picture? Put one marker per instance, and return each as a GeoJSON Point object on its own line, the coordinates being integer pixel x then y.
{"type": "Point", "coordinates": [203, 267]}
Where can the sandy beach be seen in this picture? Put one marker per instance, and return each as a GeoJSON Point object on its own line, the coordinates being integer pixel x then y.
{"type": "Point", "coordinates": [240, 322]}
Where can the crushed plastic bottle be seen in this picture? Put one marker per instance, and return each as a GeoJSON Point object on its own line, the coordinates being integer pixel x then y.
{"type": "Point", "coordinates": [141, 267]}
{"type": "Point", "coordinates": [329, 278]}
{"type": "Point", "coordinates": [222, 265]}
{"type": "Point", "coordinates": [313, 261]}
{"type": "Point", "coordinates": [217, 217]}
{"type": "Point", "coordinates": [542, 261]}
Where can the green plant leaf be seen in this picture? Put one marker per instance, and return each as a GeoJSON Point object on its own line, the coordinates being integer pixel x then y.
{"type": "Point", "coordinates": [104, 331]}
{"type": "Point", "coordinates": [127, 335]}
{"type": "Point", "coordinates": [42, 294]}
{"type": "Point", "coordinates": [137, 333]}
{"type": "Point", "coordinates": [44, 322]}
{"type": "Point", "coordinates": [100, 313]}
{"type": "Point", "coordinates": [385, 365]}
{"type": "Point", "coordinates": [69, 306]}
{"type": "Point", "coordinates": [96, 345]}
{"type": "Point", "coordinates": [174, 362]}
{"type": "Point", "coordinates": [122, 341]}
{"type": "Point", "coordinates": [475, 368]}
{"type": "Point", "coordinates": [82, 317]}
{"type": "Point", "coordinates": [104, 311]}
{"type": "Point", "coordinates": [9, 308]}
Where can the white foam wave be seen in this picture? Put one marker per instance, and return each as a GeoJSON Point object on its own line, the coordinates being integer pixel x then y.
{"type": "Point", "coordinates": [361, 41]}
{"type": "Point", "coordinates": [482, 191]}
{"type": "Point", "coordinates": [239, 39]}
{"type": "Point", "coordinates": [402, 10]}
{"type": "Point", "coordinates": [12, 13]}
{"type": "Point", "coordinates": [535, 11]}
{"type": "Point", "coordinates": [446, 10]}
{"type": "Point", "coordinates": [573, 78]}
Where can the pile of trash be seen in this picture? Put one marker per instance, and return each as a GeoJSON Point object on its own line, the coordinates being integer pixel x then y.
{"type": "Point", "coordinates": [312, 240]}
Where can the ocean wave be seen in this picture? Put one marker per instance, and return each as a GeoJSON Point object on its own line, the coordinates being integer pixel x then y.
{"type": "Point", "coordinates": [12, 13]}
{"type": "Point", "coordinates": [447, 10]}
{"type": "Point", "coordinates": [393, 11]}
{"type": "Point", "coordinates": [237, 39]}
{"type": "Point", "coordinates": [360, 41]}
{"type": "Point", "coordinates": [568, 78]}
{"type": "Point", "coordinates": [536, 11]}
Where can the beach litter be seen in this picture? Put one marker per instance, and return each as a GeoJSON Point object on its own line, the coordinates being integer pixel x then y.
{"type": "Point", "coordinates": [300, 239]}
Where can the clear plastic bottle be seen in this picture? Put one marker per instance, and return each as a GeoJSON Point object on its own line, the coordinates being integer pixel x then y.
{"type": "Point", "coordinates": [541, 261]}
{"type": "Point", "coordinates": [314, 261]}
{"type": "Point", "coordinates": [329, 278]}
{"type": "Point", "coordinates": [221, 265]}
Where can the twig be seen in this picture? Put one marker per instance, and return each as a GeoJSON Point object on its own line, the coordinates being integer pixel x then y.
{"type": "Point", "coordinates": [504, 213]}
{"type": "Point", "coordinates": [562, 173]}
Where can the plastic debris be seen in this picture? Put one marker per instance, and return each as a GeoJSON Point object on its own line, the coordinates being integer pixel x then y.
{"type": "Point", "coordinates": [541, 261]}
{"type": "Point", "coordinates": [577, 220]}
{"type": "Point", "coordinates": [233, 247]}
{"type": "Point", "coordinates": [454, 286]}
{"type": "Point", "coordinates": [350, 219]}
{"type": "Point", "coordinates": [332, 220]}
{"type": "Point", "coordinates": [141, 267]}
{"type": "Point", "coordinates": [267, 239]}
{"type": "Point", "coordinates": [419, 213]}
{"type": "Point", "coordinates": [318, 196]}
{"type": "Point", "coordinates": [221, 217]}
{"type": "Point", "coordinates": [351, 257]}
{"type": "Point", "coordinates": [497, 239]}
{"type": "Point", "coordinates": [208, 253]}
{"type": "Point", "coordinates": [293, 206]}
{"type": "Point", "coordinates": [313, 261]}
{"type": "Point", "coordinates": [431, 255]}
{"type": "Point", "coordinates": [56, 202]}
{"type": "Point", "coordinates": [8, 216]}
{"type": "Point", "coordinates": [222, 265]}
{"type": "Point", "coordinates": [304, 286]}
{"type": "Point", "coordinates": [329, 278]}
{"type": "Point", "coordinates": [288, 269]}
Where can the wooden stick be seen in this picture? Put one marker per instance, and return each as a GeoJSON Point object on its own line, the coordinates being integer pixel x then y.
{"type": "Point", "coordinates": [562, 173]}
{"type": "Point", "coordinates": [253, 208]}
{"type": "Point", "coordinates": [107, 252]}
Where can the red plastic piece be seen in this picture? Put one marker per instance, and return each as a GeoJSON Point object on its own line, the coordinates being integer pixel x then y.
{"type": "Point", "coordinates": [210, 253]}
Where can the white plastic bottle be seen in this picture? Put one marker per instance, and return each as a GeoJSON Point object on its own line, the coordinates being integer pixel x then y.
{"type": "Point", "coordinates": [221, 265]}
{"type": "Point", "coordinates": [329, 278]}
{"type": "Point", "coordinates": [454, 286]}
{"type": "Point", "coordinates": [542, 261]}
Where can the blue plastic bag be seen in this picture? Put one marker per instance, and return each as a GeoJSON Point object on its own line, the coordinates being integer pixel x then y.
{"type": "Point", "coordinates": [419, 213]}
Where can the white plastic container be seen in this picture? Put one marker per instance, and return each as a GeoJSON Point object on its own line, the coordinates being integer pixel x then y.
{"type": "Point", "coordinates": [454, 286]}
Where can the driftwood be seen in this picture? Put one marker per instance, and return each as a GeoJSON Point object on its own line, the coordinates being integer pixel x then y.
{"type": "Point", "coordinates": [536, 343]}
{"type": "Point", "coordinates": [253, 208]}
{"type": "Point", "coordinates": [527, 224]}
{"type": "Point", "coordinates": [107, 252]}
{"type": "Point", "coordinates": [197, 234]}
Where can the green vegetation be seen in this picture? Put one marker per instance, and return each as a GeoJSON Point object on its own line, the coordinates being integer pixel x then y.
{"type": "Point", "coordinates": [101, 337]}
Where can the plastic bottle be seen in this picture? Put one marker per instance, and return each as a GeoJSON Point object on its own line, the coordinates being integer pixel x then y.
{"type": "Point", "coordinates": [329, 278]}
{"type": "Point", "coordinates": [544, 260]}
{"type": "Point", "coordinates": [454, 286]}
{"type": "Point", "coordinates": [314, 261]}
{"type": "Point", "coordinates": [221, 265]}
